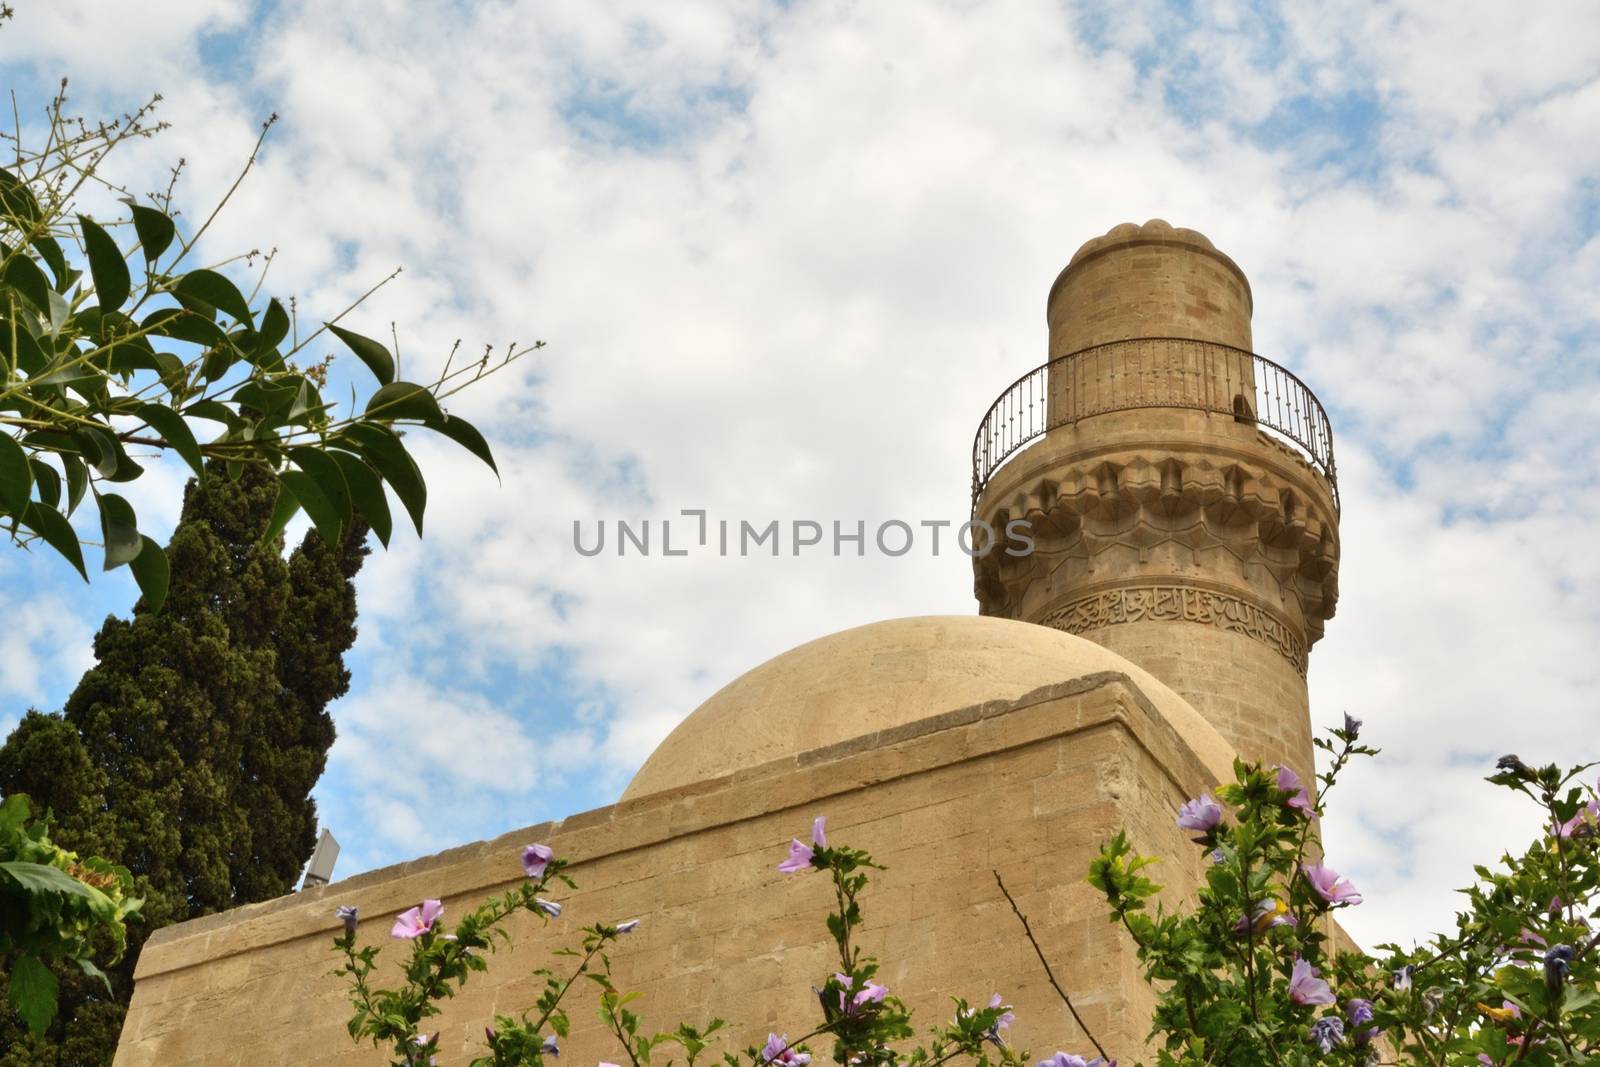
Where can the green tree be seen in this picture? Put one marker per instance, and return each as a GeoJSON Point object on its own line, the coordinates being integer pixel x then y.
{"type": "Point", "coordinates": [189, 751]}
{"type": "Point", "coordinates": [115, 347]}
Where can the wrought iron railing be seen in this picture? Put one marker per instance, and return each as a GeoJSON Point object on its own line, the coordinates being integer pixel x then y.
{"type": "Point", "coordinates": [1154, 372]}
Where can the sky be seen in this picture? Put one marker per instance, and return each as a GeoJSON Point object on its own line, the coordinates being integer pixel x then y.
{"type": "Point", "coordinates": [783, 255]}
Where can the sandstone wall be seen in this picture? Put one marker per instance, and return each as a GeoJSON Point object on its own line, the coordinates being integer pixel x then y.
{"type": "Point", "coordinates": [1029, 787]}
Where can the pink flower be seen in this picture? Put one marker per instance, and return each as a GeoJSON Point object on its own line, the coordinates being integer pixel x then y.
{"type": "Point", "coordinates": [1330, 885]}
{"type": "Point", "coordinates": [777, 1050]}
{"type": "Point", "coordinates": [871, 993]}
{"type": "Point", "coordinates": [1289, 782]}
{"type": "Point", "coordinates": [535, 858]}
{"type": "Point", "coordinates": [1305, 987]}
{"type": "Point", "coordinates": [1201, 815]}
{"type": "Point", "coordinates": [801, 854]}
{"type": "Point", "coordinates": [417, 921]}
{"type": "Point", "coordinates": [1583, 823]}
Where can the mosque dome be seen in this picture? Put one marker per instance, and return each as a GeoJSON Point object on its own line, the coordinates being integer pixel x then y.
{"type": "Point", "coordinates": [887, 674]}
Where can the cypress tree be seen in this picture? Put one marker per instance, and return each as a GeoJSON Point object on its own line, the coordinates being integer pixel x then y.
{"type": "Point", "coordinates": [189, 751]}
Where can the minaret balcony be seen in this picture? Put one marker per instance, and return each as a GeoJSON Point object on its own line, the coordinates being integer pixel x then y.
{"type": "Point", "coordinates": [1148, 373]}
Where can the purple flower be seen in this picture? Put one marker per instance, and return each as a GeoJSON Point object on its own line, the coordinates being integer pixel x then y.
{"type": "Point", "coordinates": [1327, 1032]}
{"type": "Point", "coordinates": [1332, 887]}
{"type": "Point", "coordinates": [1007, 1017]}
{"type": "Point", "coordinates": [1305, 987]}
{"type": "Point", "coordinates": [347, 913]}
{"type": "Point", "coordinates": [1289, 782]}
{"type": "Point", "coordinates": [535, 858]}
{"type": "Point", "coordinates": [1402, 977]}
{"type": "Point", "coordinates": [489, 1035]}
{"type": "Point", "coordinates": [423, 1043]}
{"type": "Point", "coordinates": [1067, 1059]}
{"type": "Point", "coordinates": [549, 1047]}
{"type": "Point", "coordinates": [777, 1050]}
{"type": "Point", "coordinates": [628, 927]}
{"type": "Point", "coordinates": [1201, 815]}
{"type": "Point", "coordinates": [549, 907]}
{"type": "Point", "coordinates": [1557, 965]}
{"type": "Point", "coordinates": [1359, 1012]}
{"type": "Point", "coordinates": [802, 855]}
{"type": "Point", "coordinates": [417, 921]}
{"type": "Point", "coordinates": [1352, 726]}
{"type": "Point", "coordinates": [1268, 913]}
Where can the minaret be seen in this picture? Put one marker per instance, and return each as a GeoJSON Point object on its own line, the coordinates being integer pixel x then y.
{"type": "Point", "coordinates": [1181, 491]}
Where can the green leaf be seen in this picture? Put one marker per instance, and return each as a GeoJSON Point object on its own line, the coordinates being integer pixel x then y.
{"type": "Point", "coordinates": [467, 436]}
{"type": "Point", "coordinates": [403, 400]}
{"type": "Point", "coordinates": [283, 509]}
{"type": "Point", "coordinates": [27, 354]}
{"type": "Point", "coordinates": [155, 229]}
{"type": "Point", "coordinates": [152, 571]}
{"type": "Point", "coordinates": [47, 481]}
{"type": "Point", "coordinates": [120, 529]}
{"type": "Point", "coordinates": [56, 532]}
{"type": "Point", "coordinates": [214, 411]}
{"type": "Point", "coordinates": [106, 265]}
{"type": "Point", "coordinates": [16, 198]}
{"type": "Point", "coordinates": [40, 878]}
{"type": "Point", "coordinates": [385, 452]}
{"type": "Point", "coordinates": [47, 248]}
{"type": "Point", "coordinates": [330, 480]}
{"type": "Point", "coordinates": [170, 425]}
{"type": "Point", "coordinates": [366, 492]}
{"type": "Point", "coordinates": [77, 480]}
{"type": "Point", "coordinates": [99, 448]}
{"type": "Point", "coordinates": [14, 811]}
{"type": "Point", "coordinates": [24, 275]}
{"type": "Point", "coordinates": [16, 478]}
{"type": "Point", "coordinates": [373, 354]}
{"type": "Point", "coordinates": [181, 324]}
{"type": "Point", "coordinates": [324, 513]}
{"type": "Point", "coordinates": [33, 992]}
{"type": "Point", "coordinates": [209, 287]}
{"type": "Point", "coordinates": [87, 966]}
{"type": "Point", "coordinates": [271, 397]}
{"type": "Point", "coordinates": [274, 328]}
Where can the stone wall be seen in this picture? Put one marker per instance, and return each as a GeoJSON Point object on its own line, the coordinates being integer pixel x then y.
{"type": "Point", "coordinates": [1029, 787]}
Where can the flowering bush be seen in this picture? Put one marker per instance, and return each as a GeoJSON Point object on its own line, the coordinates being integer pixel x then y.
{"type": "Point", "coordinates": [859, 1013]}
{"type": "Point", "coordinates": [54, 905]}
{"type": "Point", "coordinates": [1248, 975]}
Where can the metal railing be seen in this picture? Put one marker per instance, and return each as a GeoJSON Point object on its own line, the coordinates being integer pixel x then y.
{"type": "Point", "coordinates": [1154, 372]}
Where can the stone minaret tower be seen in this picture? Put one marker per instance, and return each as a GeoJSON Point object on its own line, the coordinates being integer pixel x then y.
{"type": "Point", "coordinates": [1181, 490]}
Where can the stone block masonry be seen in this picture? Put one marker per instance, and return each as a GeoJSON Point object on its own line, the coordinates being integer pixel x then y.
{"type": "Point", "coordinates": [1029, 787]}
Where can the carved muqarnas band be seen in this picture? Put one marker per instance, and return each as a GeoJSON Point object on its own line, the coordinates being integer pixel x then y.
{"type": "Point", "coordinates": [1181, 603]}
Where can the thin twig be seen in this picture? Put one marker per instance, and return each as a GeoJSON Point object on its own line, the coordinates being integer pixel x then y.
{"type": "Point", "coordinates": [1062, 993]}
{"type": "Point", "coordinates": [254, 152]}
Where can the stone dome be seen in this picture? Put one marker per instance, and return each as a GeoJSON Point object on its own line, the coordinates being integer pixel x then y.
{"type": "Point", "coordinates": [888, 674]}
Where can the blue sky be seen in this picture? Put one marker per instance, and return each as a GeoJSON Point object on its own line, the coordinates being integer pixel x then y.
{"type": "Point", "coordinates": [784, 255]}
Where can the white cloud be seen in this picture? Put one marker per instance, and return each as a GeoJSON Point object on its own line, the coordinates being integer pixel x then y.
{"type": "Point", "coordinates": [44, 639]}
{"type": "Point", "coordinates": [786, 256]}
